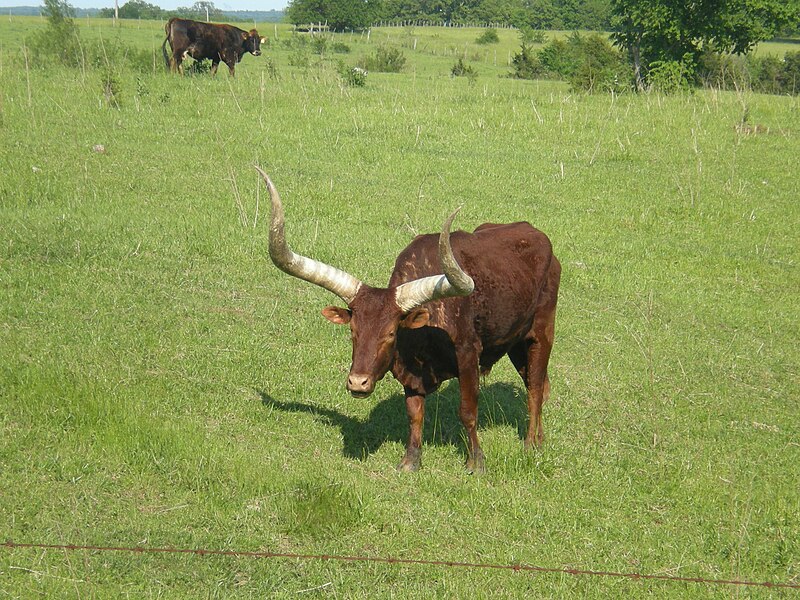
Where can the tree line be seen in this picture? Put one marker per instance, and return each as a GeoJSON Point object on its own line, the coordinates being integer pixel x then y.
{"type": "Point", "coordinates": [535, 14]}
{"type": "Point", "coordinates": [200, 10]}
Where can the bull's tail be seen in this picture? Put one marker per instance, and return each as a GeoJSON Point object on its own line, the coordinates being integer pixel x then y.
{"type": "Point", "coordinates": [167, 29]}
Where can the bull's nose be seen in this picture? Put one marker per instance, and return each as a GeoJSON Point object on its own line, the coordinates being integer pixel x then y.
{"type": "Point", "coordinates": [360, 385]}
{"type": "Point", "coordinates": [257, 53]}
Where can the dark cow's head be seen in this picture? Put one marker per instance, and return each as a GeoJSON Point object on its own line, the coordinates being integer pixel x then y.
{"type": "Point", "coordinates": [251, 42]}
{"type": "Point", "coordinates": [374, 314]}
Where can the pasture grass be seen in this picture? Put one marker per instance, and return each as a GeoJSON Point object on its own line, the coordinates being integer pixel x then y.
{"type": "Point", "coordinates": [164, 386]}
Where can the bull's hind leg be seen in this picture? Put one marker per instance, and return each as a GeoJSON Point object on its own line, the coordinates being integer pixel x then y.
{"type": "Point", "coordinates": [176, 63]}
{"type": "Point", "coordinates": [532, 355]}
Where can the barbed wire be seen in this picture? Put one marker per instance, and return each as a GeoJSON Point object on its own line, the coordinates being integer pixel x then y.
{"type": "Point", "coordinates": [516, 567]}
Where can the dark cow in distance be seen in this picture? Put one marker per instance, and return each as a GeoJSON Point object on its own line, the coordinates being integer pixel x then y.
{"type": "Point", "coordinates": [216, 42]}
{"type": "Point", "coordinates": [455, 304]}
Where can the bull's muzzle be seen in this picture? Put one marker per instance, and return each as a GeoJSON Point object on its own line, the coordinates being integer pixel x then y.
{"type": "Point", "coordinates": [360, 385]}
{"type": "Point", "coordinates": [257, 53]}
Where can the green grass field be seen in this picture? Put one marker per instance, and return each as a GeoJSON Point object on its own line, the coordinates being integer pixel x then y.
{"type": "Point", "coordinates": [163, 385]}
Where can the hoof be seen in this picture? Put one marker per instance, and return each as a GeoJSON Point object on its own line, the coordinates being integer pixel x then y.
{"type": "Point", "coordinates": [411, 461]}
{"type": "Point", "coordinates": [476, 463]}
{"type": "Point", "coordinates": [534, 443]}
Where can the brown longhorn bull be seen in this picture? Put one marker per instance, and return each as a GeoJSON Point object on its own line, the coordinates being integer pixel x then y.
{"type": "Point", "coordinates": [454, 306]}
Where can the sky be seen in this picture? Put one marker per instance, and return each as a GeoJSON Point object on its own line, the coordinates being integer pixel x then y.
{"type": "Point", "coordinates": [165, 4]}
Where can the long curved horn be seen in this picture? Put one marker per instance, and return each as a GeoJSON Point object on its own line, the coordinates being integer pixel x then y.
{"type": "Point", "coordinates": [332, 279]}
{"type": "Point", "coordinates": [454, 281]}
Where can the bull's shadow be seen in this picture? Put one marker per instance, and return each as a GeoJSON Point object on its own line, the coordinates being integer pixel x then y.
{"type": "Point", "coordinates": [498, 404]}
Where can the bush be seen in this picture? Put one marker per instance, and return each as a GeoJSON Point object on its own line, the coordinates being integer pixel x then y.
{"type": "Point", "coordinates": [722, 71]}
{"type": "Point", "coordinates": [789, 76]}
{"type": "Point", "coordinates": [600, 66]}
{"type": "Point", "coordinates": [60, 38]}
{"type": "Point", "coordinates": [386, 59]}
{"type": "Point", "coordinates": [588, 63]}
{"type": "Point", "coordinates": [197, 67]}
{"type": "Point", "coordinates": [561, 58]}
{"type": "Point", "coordinates": [671, 76]}
{"type": "Point", "coordinates": [530, 35]}
{"type": "Point", "coordinates": [319, 44]}
{"type": "Point", "coordinates": [489, 36]}
{"type": "Point", "coordinates": [767, 74]}
{"type": "Point", "coordinates": [462, 69]}
{"type": "Point", "coordinates": [526, 64]}
{"type": "Point", "coordinates": [353, 76]}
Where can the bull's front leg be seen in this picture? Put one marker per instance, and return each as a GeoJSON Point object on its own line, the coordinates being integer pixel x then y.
{"type": "Point", "coordinates": [415, 405]}
{"type": "Point", "coordinates": [468, 411]}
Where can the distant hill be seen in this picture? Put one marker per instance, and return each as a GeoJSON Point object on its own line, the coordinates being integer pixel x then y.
{"type": "Point", "coordinates": [35, 11]}
{"type": "Point", "coordinates": [262, 16]}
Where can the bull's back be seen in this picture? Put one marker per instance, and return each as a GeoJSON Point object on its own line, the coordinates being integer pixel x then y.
{"type": "Point", "coordinates": [495, 255]}
{"type": "Point", "coordinates": [195, 31]}
{"type": "Point", "coordinates": [508, 263]}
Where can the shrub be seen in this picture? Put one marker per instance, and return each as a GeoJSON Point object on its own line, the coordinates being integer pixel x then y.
{"type": "Point", "coordinates": [671, 76]}
{"type": "Point", "coordinates": [353, 76]}
{"type": "Point", "coordinates": [600, 66]}
{"type": "Point", "coordinates": [723, 71]}
{"type": "Point", "coordinates": [60, 38]}
{"type": "Point", "coordinates": [526, 64]}
{"type": "Point", "coordinates": [197, 67]}
{"type": "Point", "coordinates": [532, 36]}
{"type": "Point", "coordinates": [489, 36]}
{"type": "Point", "coordinates": [789, 76]}
{"type": "Point", "coordinates": [589, 63]}
{"type": "Point", "coordinates": [461, 69]}
{"type": "Point", "coordinates": [387, 59]}
{"type": "Point", "coordinates": [319, 44]}
{"type": "Point", "coordinates": [765, 73]}
{"type": "Point", "coordinates": [560, 58]}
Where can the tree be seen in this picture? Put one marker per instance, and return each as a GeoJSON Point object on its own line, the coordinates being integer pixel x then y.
{"type": "Point", "coordinates": [203, 9]}
{"type": "Point", "coordinates": [663, 31]}
{"type": "Point", "coordinates": [338, 14]}
{"type": "Point", "coordinates": [135, 9]}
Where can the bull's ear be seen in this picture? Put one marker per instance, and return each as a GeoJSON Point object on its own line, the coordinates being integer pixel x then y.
{"type": "Point", "coordinates": [245, 35]}
{"type": "Point", "coordinates": [417, 318]}
{"type": "Point", "coordinates": [334, 314]}
{"type": "Point", "coordinates": [263, 40]}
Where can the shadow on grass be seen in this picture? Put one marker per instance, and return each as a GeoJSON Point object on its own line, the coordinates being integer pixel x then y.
{"type": "Point", "coordinates": [499, 404]}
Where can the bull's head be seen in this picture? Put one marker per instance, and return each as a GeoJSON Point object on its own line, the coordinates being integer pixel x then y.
{"type": "Point", "coordinates": [252, 42]}
{"type": "Point", "coordinates": [374, 314]}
